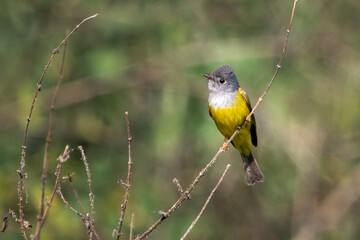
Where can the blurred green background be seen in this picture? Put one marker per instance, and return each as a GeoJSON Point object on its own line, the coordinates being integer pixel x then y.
{"type": "Point", "coordinates": [147, 57]}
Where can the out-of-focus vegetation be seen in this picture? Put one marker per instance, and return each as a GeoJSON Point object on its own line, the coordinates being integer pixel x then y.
{"type": "Point", "coordinates": [147, 57]}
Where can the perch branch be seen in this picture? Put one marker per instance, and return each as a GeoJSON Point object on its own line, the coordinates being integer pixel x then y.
{"type": "Point", "coordinates": [206, 203]}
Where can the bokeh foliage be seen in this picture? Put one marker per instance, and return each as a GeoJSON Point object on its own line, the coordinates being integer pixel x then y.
{"type": "Point", "coordinates": [147, 57]}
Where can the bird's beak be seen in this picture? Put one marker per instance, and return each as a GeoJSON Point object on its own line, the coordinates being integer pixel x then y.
{"type": "Point", "coordinates": [208, 76]}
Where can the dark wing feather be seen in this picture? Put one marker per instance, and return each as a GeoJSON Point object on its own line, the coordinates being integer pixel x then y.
{"type": "Point", "coordinates": [253, 125]}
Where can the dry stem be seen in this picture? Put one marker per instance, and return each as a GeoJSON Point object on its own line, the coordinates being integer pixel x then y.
{"type": "Point", "coordinates": [278, 66]}
{"type": "Point", "coordinates": [48, 138]}
{"type": "Point", "coordinates": [178, 185]}
{"type": "Point", "coordinates": [76, 195]}
{"type": "Point", "coordinates": [206, 203]}
{"type": "Point", "coordinates": [68, 204]}
{"type": "Point", "coordinates": [132, 226]}
{"type": "Point", "coordinates": [127, 185]}
{"type": "Point", "coordinates": [65, 156]}
{"type": "Point", "coordinates": [21, 172]}
{"type": "Point", "coordinates": [91, 195]}
{"type": "Point", "coordinates": [83, 215]}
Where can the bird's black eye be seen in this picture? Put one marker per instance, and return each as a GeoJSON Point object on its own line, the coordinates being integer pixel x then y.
{"type": "Point", "coordinates": [222, 80]}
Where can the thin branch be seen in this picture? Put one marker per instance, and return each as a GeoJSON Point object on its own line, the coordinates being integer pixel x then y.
{"type": "Point", "coordinates": [76, 194]}
{"type": "Point", "coordinates": [222, 149]}
{"type": "Point", "coordinates": [278, 66]}
{"type": "Point", "coordinates": [62, 159]}
{"type": "Point", "coordinates": [68, 204]}
{"type": "Point", "coordinates": [21, 172]}
{"type": "Point", "coordinates": [83, 216]}
{"type": "Point", "coordinates": [27, 224]}
{"type": "Point", "coordinates": [132, 226]}
{"type": "Point", "coordinates": [127, 186]}
{"type": "Point", "coordinates": [185, 194]}
{"type": "Point", "coordinates": [178, 185]}
{"type": "Point", "coordinates": [206, 203]}
{"type": "Point", "coordinates": [91, 195]}
{"type": "Point", "coordinates": [49, 136]}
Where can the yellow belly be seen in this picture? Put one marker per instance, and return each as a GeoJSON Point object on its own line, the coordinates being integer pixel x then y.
{"type": "Point", "coordinates": [228, 118]}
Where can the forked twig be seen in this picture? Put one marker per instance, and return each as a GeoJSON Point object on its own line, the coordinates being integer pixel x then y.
{"type": "Point", "coordinates": [69, 206]}
{"type": "Point", "coordinates": [62, 159]}
{"type": "Point", "coordinates": [206, 203]}
{"type": "Point", "coordinates": [248, 118]}
{"type": "Point", "coordinates": [21, 172]}
{"type": "Point", "coordinates": [27, 224]}
{"type": "Point", "coordinates": [84, 217]}
{"type": "Point", "coordinates": [127, 185]}
{"type": "Point", "coordinates": [185, 194]}
{"type": "Point", "coordinates": [76, 194]}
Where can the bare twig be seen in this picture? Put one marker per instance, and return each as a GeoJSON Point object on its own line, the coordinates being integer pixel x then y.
{"type": "Point", "coordinates": [13, 215]}
{"type": "Point", "coordinates": [91, 195]}
{"type": "Point", "coordinates": [68, 204]}
{"type": "Point", "coordinates": [206, 203]}
{"type": "Point", "coordinates": [127, 186]}
{"type": "Point", "coordinates": [278, 66]}
{"type": "Point", "coordinates": [49, 136]}
{"type": "Point", "coordinates": [84, 217]}
{"type": "Point", "coordinates": [62, 159]}
{"type": "Point", "coordinates": [248, 118]}
{"type": "Point", "coordinates": [186, 193]}
{"type": "Point", "coordinates": [76, 194]}
{"type": "Point", "coordinates": [178, 185]}
{"type": "Point", "coordinates": [27, 224]}
{"type": "Point", "coordinates": [21, 172]}
{"type": "Point", "coordinates": [132, 226]}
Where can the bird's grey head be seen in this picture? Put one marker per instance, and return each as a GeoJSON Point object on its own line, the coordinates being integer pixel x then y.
{"type": "Point", "coordinates": [222, 80]}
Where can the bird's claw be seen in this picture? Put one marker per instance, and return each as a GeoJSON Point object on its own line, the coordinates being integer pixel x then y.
{"type": "Point", "coordinates": [225, 146]}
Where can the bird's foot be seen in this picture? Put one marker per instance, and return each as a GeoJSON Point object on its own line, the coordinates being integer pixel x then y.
{"type": "Point", "coordinates": [225, 146]}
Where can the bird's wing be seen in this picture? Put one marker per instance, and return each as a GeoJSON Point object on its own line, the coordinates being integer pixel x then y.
{"type": "Point", "coordinates": [253, 125]}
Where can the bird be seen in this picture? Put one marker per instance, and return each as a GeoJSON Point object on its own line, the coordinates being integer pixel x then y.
{"type": "Point", "coordinates": [229, 105]}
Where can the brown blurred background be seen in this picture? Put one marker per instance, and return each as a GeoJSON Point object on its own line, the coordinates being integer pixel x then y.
{"type": "Point", "coordinates": [147, 57]}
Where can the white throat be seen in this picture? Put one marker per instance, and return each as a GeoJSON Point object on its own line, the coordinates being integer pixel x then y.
{"type": "Point", "coordinates": [221, 100]}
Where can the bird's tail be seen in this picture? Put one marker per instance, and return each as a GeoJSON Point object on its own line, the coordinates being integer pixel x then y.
{"type": "Point", "coordinates": [253, 173]}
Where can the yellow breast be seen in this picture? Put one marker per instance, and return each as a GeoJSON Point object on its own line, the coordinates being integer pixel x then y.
{"type": "Point", "coordinates": [228, 118]}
